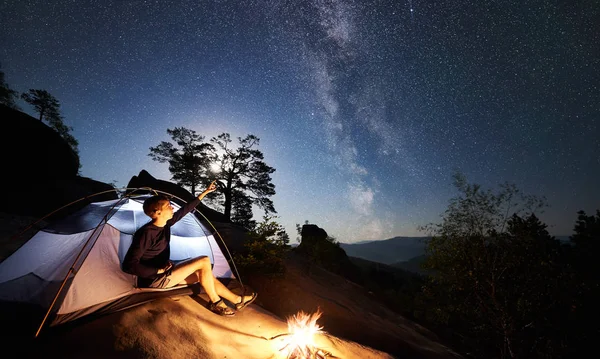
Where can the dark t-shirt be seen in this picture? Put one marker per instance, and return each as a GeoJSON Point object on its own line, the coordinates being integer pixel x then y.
{"type": "Point", "coordinates": [150, 249]}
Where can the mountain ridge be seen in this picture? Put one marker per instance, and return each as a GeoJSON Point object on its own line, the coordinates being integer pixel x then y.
{"type": "Point", "coordinates": [387, 251]}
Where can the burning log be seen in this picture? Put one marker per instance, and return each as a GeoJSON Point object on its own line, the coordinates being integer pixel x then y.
{"type": "Point", "coordinates": [299, 342]}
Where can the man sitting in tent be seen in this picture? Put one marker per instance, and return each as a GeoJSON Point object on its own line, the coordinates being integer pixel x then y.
{"type": "Point", "coordinates": [148, 256]}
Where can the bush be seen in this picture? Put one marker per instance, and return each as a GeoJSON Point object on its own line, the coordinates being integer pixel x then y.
{"type": "Point", "coordinates": [266, 249]}
{"type": "Point", "coordinates": [498, 280]}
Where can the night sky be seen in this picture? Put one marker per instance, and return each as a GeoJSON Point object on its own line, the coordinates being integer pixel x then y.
{"type": "Point", "coordinates": [365, 108]}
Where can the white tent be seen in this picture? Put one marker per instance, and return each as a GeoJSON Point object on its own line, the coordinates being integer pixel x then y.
{"type": "Point", "coordinates": [72, 268]}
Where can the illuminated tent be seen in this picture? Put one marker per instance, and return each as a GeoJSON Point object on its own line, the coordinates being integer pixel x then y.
{"type": "Point", "coordinates": [72, 267]}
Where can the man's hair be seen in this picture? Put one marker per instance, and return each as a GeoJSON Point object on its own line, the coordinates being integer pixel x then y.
{"type": "Point", "coordinates": [153, 204]}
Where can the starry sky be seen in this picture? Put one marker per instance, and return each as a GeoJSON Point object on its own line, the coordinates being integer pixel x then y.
{"type": "Point", "coordinates": [365, 108]}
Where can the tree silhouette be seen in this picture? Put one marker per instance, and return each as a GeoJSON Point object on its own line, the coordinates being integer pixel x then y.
{"type": "Point", "coordinates": [265, 250]}
{"type": "Point", "coordinates": [587, 232]}
{"type": "Point", "coordinates": [271, 231]}
{"type": "Point", "coordinates": [585, 251]}
{"type": "Point", "coordinates": [241, 211]}
{"type": "Point", "coordinates": [496, 274]}
{"type": "Point", "coordinates": [242, 177]}
{"type": "Point", "coordinates": [48, 107]}
{"type": "Point", "coordinates": [7, 95]}
{"type": "Point", "coordinates": [55, 120]}
{"type": "Point", "coordinates": [187, 159]}
{"type": "Point", "coordinates": [43, 102]}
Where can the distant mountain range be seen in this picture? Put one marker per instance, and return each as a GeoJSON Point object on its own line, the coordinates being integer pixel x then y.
{"type": "Point", "coordinates": [400, 252]}
{"type": "Point", "coordinates": [388, 251]}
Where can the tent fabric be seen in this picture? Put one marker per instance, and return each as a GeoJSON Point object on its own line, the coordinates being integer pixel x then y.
{"type": "Point", "coordinates": [93, 242]}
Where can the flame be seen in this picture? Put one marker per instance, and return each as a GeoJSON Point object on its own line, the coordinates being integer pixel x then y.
{"type": "Point", "coordinates": [300, 343]}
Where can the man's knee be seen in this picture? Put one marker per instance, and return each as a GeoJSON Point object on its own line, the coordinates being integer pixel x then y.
{"type": "Point", "coordinates": [202, 262]}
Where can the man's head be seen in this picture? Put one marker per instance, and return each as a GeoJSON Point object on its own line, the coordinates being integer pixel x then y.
{"type": "Point", "coordinates": [158, 206]}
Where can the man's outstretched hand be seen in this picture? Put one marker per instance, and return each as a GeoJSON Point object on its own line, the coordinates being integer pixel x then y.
{"type": "Point", "coordinates": [211, 188]}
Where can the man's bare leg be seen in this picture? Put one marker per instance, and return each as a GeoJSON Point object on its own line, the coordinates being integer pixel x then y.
{"type": "Point", "coordinates": [224, 292]}
{"type": "Point", "coordinates": [199, 270]}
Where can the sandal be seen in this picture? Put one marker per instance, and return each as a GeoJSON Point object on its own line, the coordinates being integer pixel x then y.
{"type": "Point", "coordinates": [241, 305]}
{"type": "Point", "coordinates": [215, 307]}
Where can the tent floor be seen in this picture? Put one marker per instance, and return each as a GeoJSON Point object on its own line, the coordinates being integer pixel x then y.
{"type": "Point", "coordinates": [22, 320]}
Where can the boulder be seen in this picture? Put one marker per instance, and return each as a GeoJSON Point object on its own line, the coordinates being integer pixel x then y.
{"type": "Point", "coordinates": [311, 234]}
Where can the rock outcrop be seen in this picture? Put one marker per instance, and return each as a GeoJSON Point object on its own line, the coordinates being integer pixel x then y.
{"type": "Point", "coordinates": [318, 248]}
{"type": "Point", "coordinates": [41, 170]}
{"type": "Point", "coordinates": [33, 149]}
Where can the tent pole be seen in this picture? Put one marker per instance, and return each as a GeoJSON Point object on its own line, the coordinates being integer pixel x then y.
{"type": "Point", "coordinates": [79, 200]}
{"type": "Point", "coordinates": [53, 302]}
{"type": "Point", "coordinates": [56, 210]}
{"type": "Point", "coordinates": [226, 248]}
{"type": "Point", "coordinates": [72, 269]}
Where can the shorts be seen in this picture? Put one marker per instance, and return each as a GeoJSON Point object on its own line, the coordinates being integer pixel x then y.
{"type": "Point", "coordinates": [162, 281]}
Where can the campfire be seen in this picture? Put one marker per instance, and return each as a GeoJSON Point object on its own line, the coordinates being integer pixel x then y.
{"type": "Point", "coordinates": [299, 342]}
